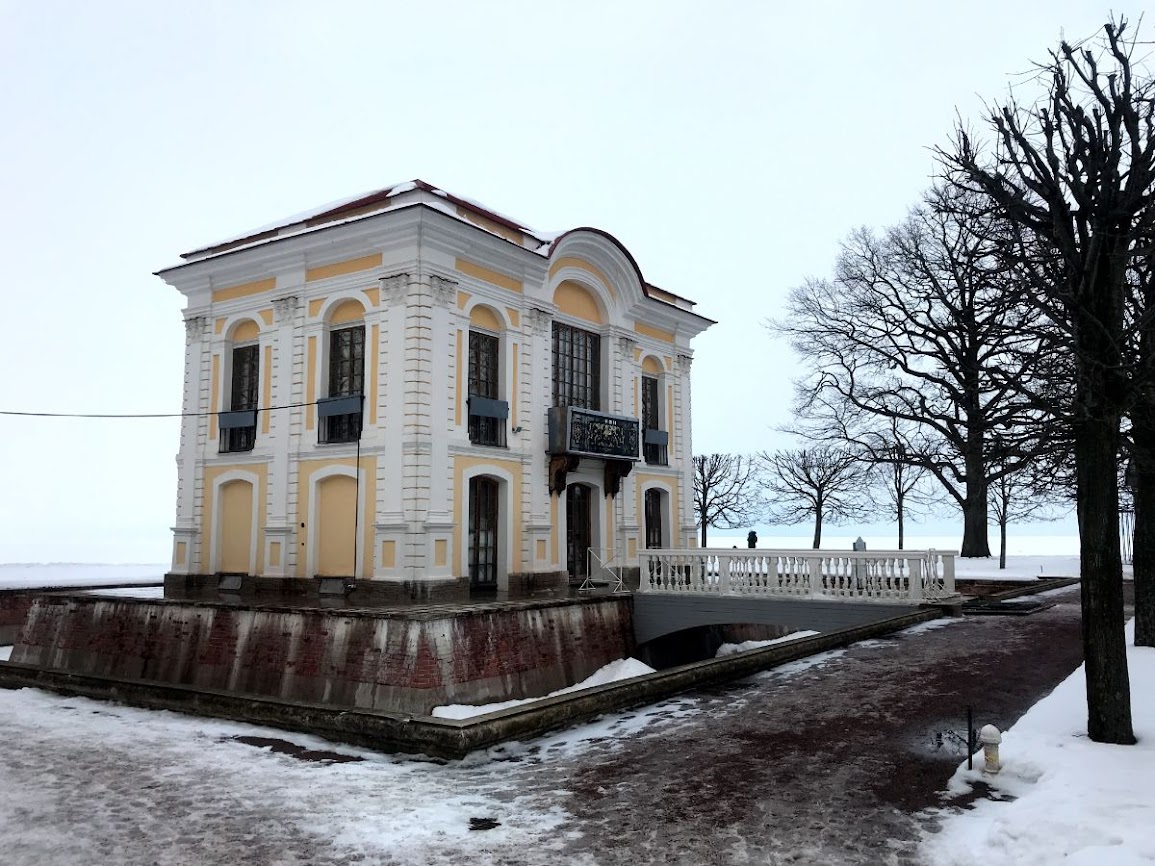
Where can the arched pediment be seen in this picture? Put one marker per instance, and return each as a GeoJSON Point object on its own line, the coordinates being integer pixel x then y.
{"type": "Point", "coordinates": [597, 258]}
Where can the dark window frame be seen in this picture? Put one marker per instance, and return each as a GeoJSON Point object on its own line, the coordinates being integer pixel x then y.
{"type": "Point", "coordinates": [484, 381]}
{"type": "Point", "coordinates": [653, 453]}
{"type": "Point", "coordinates": [577, 367]}
{"type": "Point", "coordinates": [346, 357]}
{"type": "Point", "coordinates": [244, 390]}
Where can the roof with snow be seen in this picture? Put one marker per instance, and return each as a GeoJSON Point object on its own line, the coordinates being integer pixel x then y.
{"type": "Point", "coordinates": [412, 192]}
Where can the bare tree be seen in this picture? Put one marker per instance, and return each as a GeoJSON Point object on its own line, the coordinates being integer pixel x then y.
{"type": "Point", "coordinates": [1074, 173]}
{"type": "Point", "coordinates": [821, 482]}
{"type": "Point", "coordinates": [1017, 496]}
{"type": "Point", "coordinates": [1141, 444]}
{"type": "Point", "coordinates": [917, 328]}
{"type": "Point", "coordinates": [899, 481]}
{"type": "Point", "coordinates": [726, 492]}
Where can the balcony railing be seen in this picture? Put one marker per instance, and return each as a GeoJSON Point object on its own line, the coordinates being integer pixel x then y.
{"type": "Point", "coordinates": [586, 433]}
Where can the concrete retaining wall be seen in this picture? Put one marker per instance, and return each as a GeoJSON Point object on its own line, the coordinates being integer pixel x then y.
{"type": "Point", "coordinates": [405, 662]}
{"type": "Point", "coordinates": [444, 737]}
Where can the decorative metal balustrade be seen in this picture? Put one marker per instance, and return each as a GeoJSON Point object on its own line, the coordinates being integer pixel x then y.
{"type": "Point", "coordinates": [891, 576]}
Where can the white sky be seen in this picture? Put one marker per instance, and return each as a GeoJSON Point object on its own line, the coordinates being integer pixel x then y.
{"type": "Point", "coordinates": [729, 146]}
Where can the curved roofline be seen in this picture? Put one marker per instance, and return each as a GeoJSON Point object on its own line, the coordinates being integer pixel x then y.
{"type": "Point", "coordinates": [629, 256]}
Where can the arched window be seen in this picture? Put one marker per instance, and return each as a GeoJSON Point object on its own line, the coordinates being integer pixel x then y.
{"type": "Point", "coordinates": [655, 438]}
{"type": "Point", "coordinates": [341, 409]}
{"type": "Point", "coordinates": [488, 413]}
{"type": "Point", "coordinates": [239, 422]}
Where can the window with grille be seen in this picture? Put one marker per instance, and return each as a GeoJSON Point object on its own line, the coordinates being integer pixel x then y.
{"type": "Point", "coordinates": [576, 367]}
{"type": "Point", "coordinates": [487, 414]}
{"type": "Point", "coordinates": [239, 424]}
{"type": "Point", "coordinates": [346, 379]}
{"type": "Point", "coordinates": [653, 438]}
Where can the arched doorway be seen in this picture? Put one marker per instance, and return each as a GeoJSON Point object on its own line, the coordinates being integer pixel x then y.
{"type": "Point", "coordinates": [336, 527]}
{"type": "Point", "coordinates": [236, 527]}
{"type": "Point", "coordinates": [483, 532]}
{"type": "Point", "coordinates": [578, 529]}
{"type": "Point", "coordinates": [655, 537]}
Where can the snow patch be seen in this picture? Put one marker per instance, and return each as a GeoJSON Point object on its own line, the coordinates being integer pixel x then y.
{"type": "Point", "coordinates": [622, 669]}
{"type": "Point", "coordinates": [1062, 797]}
{"type": "Point", "coordinates": [731, 648]}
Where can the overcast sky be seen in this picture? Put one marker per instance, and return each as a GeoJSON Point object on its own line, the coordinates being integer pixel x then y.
{"type": "Point", "coordinates": [729, 145]}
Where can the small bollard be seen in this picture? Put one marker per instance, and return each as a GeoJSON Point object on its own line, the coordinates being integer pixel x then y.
{"type": "Point", "coordinates": [990, 737]}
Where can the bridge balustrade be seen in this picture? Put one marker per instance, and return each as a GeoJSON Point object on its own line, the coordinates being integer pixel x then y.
{"type": "Point", "coordinates": [890, 576]}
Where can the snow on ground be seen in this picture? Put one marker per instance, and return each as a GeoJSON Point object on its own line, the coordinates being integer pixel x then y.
{"type": "Point", "coordinates": [1025, 568]}
{"type": "Point", "coordinates": [20, 575]}
{"type": "Point", "coordinates": [129, 592]}
{"type": "Point", "coordinates": [731, 648]}
{"type": "Point", "coordinates": [622, 669]}
{"type": "Point", "coordinates": [1063, 798]}
{"type": "Point", "coordinates": [5, 653]}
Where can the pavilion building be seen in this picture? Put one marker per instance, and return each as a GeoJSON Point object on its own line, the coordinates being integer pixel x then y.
{"type": "Point", "coordinates": [408, 390]}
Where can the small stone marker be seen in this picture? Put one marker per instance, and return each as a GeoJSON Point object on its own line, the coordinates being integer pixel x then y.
{"type": "Point", "coordinates": [990, 737]}
{"type": "Point", "coordinates": [859, 544]}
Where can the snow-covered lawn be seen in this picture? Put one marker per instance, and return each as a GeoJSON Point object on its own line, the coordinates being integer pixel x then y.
{"type": "Point", "coordinates": [1064, 799]}
{"type": "Point", "coordinates": [1024, 568]}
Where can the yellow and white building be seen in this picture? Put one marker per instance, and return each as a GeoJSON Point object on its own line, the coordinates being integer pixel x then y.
{"type": "Point", "coordinates": [408, 388]}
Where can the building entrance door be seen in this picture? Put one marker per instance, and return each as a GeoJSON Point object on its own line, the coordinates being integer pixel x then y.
{"type": "Point", "coordinates": [483, 519]}
{"type": "Point", "coordinates": [578, 532]}
{"type": "Point", "coordinates": [653, 509]}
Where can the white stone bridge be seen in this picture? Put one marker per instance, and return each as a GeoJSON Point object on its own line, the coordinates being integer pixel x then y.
{"type": "Point", "coordinates": [822, 590]}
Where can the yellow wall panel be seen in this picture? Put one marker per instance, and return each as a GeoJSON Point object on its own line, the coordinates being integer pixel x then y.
{"type": "Point", "coordinates": [486, 275]}
{"type": "Point", "coordinates": [243, 290]}
{"type": "Point", "coordinates": [484, 317]}
{"type": "Point", "coordinates": [388, 554]}
{"type": "Point", "coordinates": [656, 333]}
{"type": "Point", "coordinates": [349, 266]}
{"type": "Point", "coordinates": [575, 300]}
{"type": "Point", "coordinates": [310, 383]}
{"type": "Point", "coordinates": [214, 394]}
{"type": "Point", "coordinates": [346, 312]}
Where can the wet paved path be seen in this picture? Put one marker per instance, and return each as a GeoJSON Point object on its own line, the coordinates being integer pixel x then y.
{"type": "Point", "coordinates": [825, 761]}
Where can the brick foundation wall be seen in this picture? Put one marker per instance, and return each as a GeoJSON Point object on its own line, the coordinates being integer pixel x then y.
{"type": "Point", "coordinates": [14, 606]}
{"type": "Point", "coordinates": [355, 658]}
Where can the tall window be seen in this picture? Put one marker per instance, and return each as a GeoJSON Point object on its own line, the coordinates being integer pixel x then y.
{"type": "Point", "coordinates": [487, 413]}
{"type": "Point", "coordinates": [653, 448]}
{"type": "Point", "coordinates": [576, 367]}
{"type": "Point", "coordinates": [242, 398]}
{"type": "Point", "coordinates": [653, 515]}
{"type": "Point", "coordinates": [346, 379]}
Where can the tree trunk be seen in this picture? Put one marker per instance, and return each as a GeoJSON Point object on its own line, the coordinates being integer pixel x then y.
{"type": "Point", "coordinates": [1003, 541]}
{"type": "Point", "coordinates": [975, 541]}
{"type": "Point", "coordinates": [703, 534]}
{"type": "Point", "coordinates": [901, 513]}
{"type": "Point", "coordinates": [817, 528]}
{"type": "Point", "coordinates": [1104, 645]}
{"type": "Point", "coordinates": [1143, 546]}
